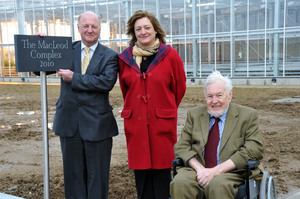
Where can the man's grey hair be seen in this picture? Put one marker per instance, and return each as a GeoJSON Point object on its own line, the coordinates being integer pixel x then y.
{"type": "Point", "coordinates": [215, 76]}
{"type": "Point", "coordinates": [91, 13]}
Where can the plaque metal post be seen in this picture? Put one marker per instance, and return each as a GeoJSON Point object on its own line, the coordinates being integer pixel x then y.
{"type": "Point", "coordinates": [45, 132]}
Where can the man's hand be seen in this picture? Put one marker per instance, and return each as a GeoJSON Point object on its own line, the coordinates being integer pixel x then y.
{"type": "Point", "coordinates": [41, 34]}
{"type": "Point", "coordinates": [66, 75]}
{"type": "Point", "coordinates": [205, 175]}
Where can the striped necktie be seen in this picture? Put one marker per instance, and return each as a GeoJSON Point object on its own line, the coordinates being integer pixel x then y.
{"type": "Point", "coordinates": [86, 60]}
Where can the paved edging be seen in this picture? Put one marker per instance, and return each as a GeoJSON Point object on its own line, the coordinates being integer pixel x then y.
{"type": "Point", "coordinates": [6, 196]}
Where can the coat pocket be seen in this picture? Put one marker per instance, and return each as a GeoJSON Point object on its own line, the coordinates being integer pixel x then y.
{"type": "Point", "coordinates": [166, 113]}
{"type": "Point", "coordinates": [126, 113]}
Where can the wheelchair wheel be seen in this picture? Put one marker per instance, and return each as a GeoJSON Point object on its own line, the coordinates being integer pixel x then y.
{"type": "Point", "coordinates": [267, 187]}
{"type": "Point", "coordinates": [272, 194]}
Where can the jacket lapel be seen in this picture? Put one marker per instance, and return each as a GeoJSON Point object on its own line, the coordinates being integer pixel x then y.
{"type": "Point", "coordinates": [230, 123]}
{"type": "Point", "coordinates": [204, 122]}
{"type": "Point", "coordinates": [127, 57]}
{"type": "Point", "coordinates": [161, 54]}
{"type": "Point", "coordinates": [96, 59]}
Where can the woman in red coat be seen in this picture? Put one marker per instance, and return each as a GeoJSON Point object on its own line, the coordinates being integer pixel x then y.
{"type": "Point", "coordinates": [153, 83]}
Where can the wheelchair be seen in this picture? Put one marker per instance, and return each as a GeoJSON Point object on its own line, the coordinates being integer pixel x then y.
{"type": "Point", "coordinates": [262, 187]}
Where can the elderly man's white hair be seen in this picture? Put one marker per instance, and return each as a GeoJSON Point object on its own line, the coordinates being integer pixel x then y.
{"type": "Point", "coordinates": [216, 75]}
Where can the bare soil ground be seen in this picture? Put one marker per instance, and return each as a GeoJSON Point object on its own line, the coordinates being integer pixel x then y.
{"type": "Point", "coordinates": [21, 139]}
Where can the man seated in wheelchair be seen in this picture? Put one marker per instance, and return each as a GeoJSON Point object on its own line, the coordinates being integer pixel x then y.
{"type": "Point", "coordinates": [215, 145]}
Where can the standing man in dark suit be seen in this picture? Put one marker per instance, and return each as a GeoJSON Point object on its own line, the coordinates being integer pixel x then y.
{"type": "Point", "coordinates": [216, 143]}
{"type": "Point", "coordinates": [84, 119]}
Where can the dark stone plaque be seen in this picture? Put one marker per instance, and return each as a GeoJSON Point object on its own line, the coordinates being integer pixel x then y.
{"type": "Point", "coordinates": [35, 53]}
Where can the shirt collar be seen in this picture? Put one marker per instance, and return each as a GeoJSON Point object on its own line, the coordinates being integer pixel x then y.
{"type": "Point", "coordinates": [93, 47]}
{"type": "Point", "coordinates": [223, 117]}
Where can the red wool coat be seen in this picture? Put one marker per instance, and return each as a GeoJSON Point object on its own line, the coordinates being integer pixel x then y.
{"type": "Point", "coordinates": [150, 107]}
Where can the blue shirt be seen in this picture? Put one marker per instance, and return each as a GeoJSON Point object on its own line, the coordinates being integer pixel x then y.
{"type": "Point", "coordinates": [221, 129]}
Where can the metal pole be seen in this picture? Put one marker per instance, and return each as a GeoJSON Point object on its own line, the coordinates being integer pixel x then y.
{"type": "Point", "coordinates": [157, 10]}
{"type": "Point", "coordinates": [195, 47]}
{"type": "Point", "coordinates": [45, 133]}
{"type": "Point", "coordinates": [276, 37]}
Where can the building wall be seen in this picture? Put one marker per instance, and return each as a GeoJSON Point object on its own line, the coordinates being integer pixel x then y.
{"type": "Point", "coordinates": [241, 38]}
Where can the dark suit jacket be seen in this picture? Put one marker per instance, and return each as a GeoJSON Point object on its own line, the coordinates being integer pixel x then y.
{"type": "Point", "coordinates": [240, 141]}
{"type": "Point", "coordinates": [84, 103]}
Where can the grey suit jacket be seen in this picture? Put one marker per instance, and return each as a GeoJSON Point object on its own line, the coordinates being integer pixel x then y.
{"type": "Point", "coordinates": [240, 141]}
{"type": "Point", "coordinates": [84, 103]}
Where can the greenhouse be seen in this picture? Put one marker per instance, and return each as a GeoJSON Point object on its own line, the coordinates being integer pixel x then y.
{"type": "Point", "coordinates": [241, 38]}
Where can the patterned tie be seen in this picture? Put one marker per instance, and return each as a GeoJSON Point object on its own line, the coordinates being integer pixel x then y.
{"type": "Point", "coordinates": [210, 155]}
{"type": "Point", "coordinates": [86, 60]}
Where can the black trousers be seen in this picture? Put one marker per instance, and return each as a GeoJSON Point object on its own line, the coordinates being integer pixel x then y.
{"type": "Point", "coordinates": [86, 167]}
{"type": "Point", "coordinates": [153, 183]}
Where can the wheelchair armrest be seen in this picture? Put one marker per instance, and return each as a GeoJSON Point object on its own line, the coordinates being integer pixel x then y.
{"type": "Point", "coordinates": [253, 163]}
{"type": "Point", "coordinates": [177, 162]}
{"type": "Point", "coordinates": [250, 164]}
